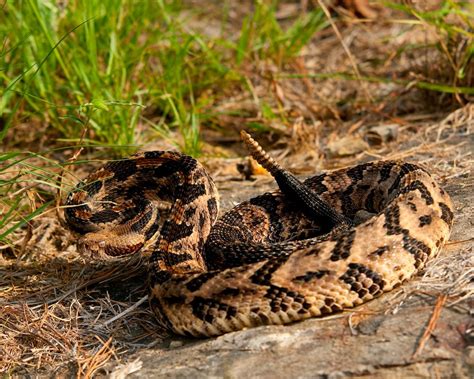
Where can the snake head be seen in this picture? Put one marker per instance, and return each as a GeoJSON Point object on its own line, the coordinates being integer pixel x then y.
{"type": "Point", "coordinates": [107, 246]}
{"type": "Point", "coordinates": [93, 247]}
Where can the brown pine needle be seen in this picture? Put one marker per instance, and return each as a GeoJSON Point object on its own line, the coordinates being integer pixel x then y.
{"type": "Point", "coordinates": [98, 359]}
{"type": "Point", "coordinates": [431, 324]}
{"type": "Point", "coordinates": [459, 242]}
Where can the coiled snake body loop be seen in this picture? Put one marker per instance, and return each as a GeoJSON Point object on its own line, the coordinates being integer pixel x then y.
{"type": "Point", "coordinates": [283, 256]}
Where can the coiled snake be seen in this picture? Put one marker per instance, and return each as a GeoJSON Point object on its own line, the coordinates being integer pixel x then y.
{"type": "Point", "coordinates": [284, 256]}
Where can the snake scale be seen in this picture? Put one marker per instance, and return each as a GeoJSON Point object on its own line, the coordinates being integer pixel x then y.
{"type": "Point", "coordinates": [301, 251]}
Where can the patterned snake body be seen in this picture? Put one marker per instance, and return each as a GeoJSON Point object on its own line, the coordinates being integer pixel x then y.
{"type": "Point", "coordinates": [268, 260]}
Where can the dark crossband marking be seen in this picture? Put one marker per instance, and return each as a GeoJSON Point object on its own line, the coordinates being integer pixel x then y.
{"type": "Point", "coordinates": [344, 242]}
{"type": "Point", "coordinates": [355, 174]}
{"type": "Point", "coordinates": [153, 155]}
{"type": "Point", "coordinates": [418, 249]}
{"type": "Point", "coordinates": [370, 201]}
{"type": "Point", "coordinates": [263, 275]}
{"type": "Point", "coordinates": [174, 259]}
{"type": "Point", "coordinates": [311, 275]}
{"type": "Point", "coordinates": [174, 300]}
{"type": "Point", "coordinates": [159, 276]}
{"type": "Point", "coordinates": [446, 214]}
{"type": "Point", "coordinates": [424, 220]}
{"type": "Point", "coordinates": [405, 169]}
{"type": "Point", "coordinates": [418, 185]}
{"type": "Point", "coordinates": [330, 307]}
{"type": "Point", "coordinates": [197, 282]}
{"type": "Point", "coordinates": [122, 169]}
{"type": "Point", "coordinates": [189, 212]}
{"type": "Point", "coordinates": [386, 171]}
{"type": "Point", "coordinates": [317, 184]}
{"type": "Point", "coordinates": [175, 232]}
{"type": "Point", "coordinates": [130, 212]}
{"type": "Point", "coordinates": [392, 220]}
{"type": "Point", "coordinates": [208, 309]}
{"type": "Point", "coordinates": [356, 277]}
{"type": "Point", "coordinates": [152, 230]}
{"type": "Point", "coordinates": [140, 224]}
{"type": "Point", "coordinates": [203, 220]}
{"type": "Point", "coordinates": [281, 299]}
{"type": "Point", "coordinates": [193, 192]}
{"type": "Point", "coordinates": [188, 164]}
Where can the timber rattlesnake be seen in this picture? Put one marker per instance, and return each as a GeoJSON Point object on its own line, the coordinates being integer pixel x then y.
{"type": "Point", "coordinates": [277, 258]}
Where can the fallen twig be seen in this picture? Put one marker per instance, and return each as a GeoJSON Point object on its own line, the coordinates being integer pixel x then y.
{"type": "Point", "coordinates": [431, 324]}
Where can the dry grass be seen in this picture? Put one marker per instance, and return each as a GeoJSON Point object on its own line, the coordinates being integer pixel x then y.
{"type": "Point", "coordinates": [61, 314]}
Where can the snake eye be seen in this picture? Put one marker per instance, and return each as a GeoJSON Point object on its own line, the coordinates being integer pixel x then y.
{"type": "Point", "coordinates": [101, 244]}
